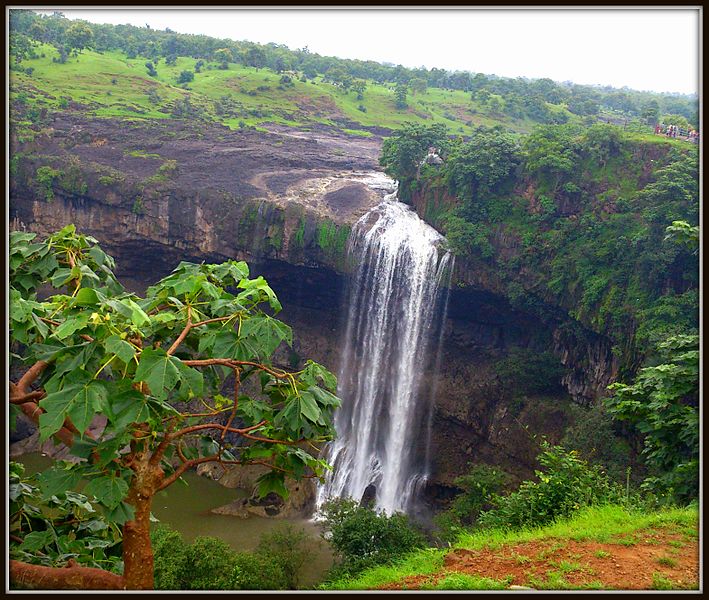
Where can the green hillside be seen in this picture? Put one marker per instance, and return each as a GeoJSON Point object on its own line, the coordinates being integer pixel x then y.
{"type": "Point", "coordinates": [110, 85]}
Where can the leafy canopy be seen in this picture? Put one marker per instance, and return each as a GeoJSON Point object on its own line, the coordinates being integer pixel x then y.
{"type": "Point", "coordinates": [663, 404]}
{"type": "Point", "coordinates": [156, 368]}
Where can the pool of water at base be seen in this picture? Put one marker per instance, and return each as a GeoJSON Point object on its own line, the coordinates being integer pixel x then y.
{"type": "Point", "coordinates": [186, 508]}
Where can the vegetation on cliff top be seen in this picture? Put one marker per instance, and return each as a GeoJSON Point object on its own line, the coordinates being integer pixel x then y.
{"type": "Point", "coordinates": [572, 216]}
{"type": "Point", "coordinates": [599, 223]}
{"type": "Point", "coordinates": [135, 72]}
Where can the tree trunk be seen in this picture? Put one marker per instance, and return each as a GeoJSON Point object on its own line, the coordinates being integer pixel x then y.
{"type": "Point", "coordinates": [137, 549]}
{"type": "Point", "coordinates": [36, 577]}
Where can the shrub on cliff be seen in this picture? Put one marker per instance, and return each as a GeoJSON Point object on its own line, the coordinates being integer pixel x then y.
{"type": "Point", "coordinates": [663, 404]}
{"type": "Point", "coordinates": [478, 488]}
{"type": "Point", "coordinates": [565, 484]}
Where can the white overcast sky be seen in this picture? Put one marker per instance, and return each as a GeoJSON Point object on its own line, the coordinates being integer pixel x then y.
{"type": "Point", "coordinates": [644, 49]}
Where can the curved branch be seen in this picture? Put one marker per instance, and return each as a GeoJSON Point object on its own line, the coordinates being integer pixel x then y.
{"type": "Point", "coordinates": [231, 363]}
{"type": "Point", "coordinates": [183, 334]}
{"type": "Point", "coordinates": [190, 325]}
{"type": "Point", "coordinates": [270, 441]}
{"type": "Point", "coordinates": [71, 577]}
{"type": "Point", "coordinates": [31, 375]}
{"type": "Point", "coordinates": [177, 473]}
{"type": "Point", "coordinates": [30, 397]}
{"type": "Point", "coordinates": [193, 428]}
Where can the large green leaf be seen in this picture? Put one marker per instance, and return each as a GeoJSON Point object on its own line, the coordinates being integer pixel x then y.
{"type": "Point", "coordinates": [120, 513]}
{"type": "Point", "coordinates": [313, 371]}
{"type": "Point", "coordinates": [37, 540]}
{"type": "Point", "coordinates": [72, 324]}
{"type": "Point", "coordinates": [272, 482]}
{"type": "Point", "coordinates": [87, 297]}
{"type": "Point", "coordinates": [78, 401]}
{"type": "Point", "coordinates": [158, 370]}
{"type": "Point", "coordinates": [265, 334]}
{"type": "Point", "coordinates": [89, 402]}
{"type": "Point", "coordinates": [56, 404]}
{"type": "Point", "coordinates": [192, 380]}
{"type": "Point", "coordinates": [57, 480]}
{"type": "Point", "coordinates": [257, 290]}
{"type": "Point", "coordinates": [138, 316]}
{"type": "Point", "coordinates": [227, 344]}
{"type": "Point", "coordinates": [109, 491]}
{"type": "Point", "coordinates": [121, 348]}
{"type": "Point", "coordinates": [127, 406]}
{"type": "Point", "coordinates": [309, 406]}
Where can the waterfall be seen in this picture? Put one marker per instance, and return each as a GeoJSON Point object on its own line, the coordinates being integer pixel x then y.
{"type": "Point", "coordinates": [381, 450]}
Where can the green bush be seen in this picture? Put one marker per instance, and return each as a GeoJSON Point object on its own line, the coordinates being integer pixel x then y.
{"type": "Point", "coordinates": [289, 548]}
{"type": "Point", "coordinates": [593, 434]}
{"type": "Point", "coordinates": [478, 488]}
{"type": "Point", "coordinates": [45, 179]}
{"type": "Point", "coordinates": [362, 537]}
{"type": "Point", "coordinates": [171, 560]}
{"type": "Point", "coordinates": [257, 571]}
{"type": "Point", "coordinates": [210, 563]}
{"type": "Point", "coordinates": [663, 405]}
{"type": "Point", "coordinates": [185, 77]}
{"type": "Point", "coordinates": [565, 484]}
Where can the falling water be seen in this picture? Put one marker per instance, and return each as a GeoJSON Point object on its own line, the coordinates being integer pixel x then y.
{"type": "Point", "coordinates": [394, 312]}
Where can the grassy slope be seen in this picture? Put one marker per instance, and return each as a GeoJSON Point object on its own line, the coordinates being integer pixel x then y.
{"type": "Point", "coordinates": [113, 86]}
{"type": "Point", "coordinates": [597, 524]}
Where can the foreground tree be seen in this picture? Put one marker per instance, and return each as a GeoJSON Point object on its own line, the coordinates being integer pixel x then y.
{"type": "Point", "coordinates": [663, 404]}
{"type": "Point", "coordinates": [155, 368]}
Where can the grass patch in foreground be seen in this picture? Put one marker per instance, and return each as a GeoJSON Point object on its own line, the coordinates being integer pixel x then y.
{"type": "Point", "coordinates": [423, 562]}
{"type": "Point", "coordinates": [463, 581]}
{"type": "Point", "coordinates": [590, 524]}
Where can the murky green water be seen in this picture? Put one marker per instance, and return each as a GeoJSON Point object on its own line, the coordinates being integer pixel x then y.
{"type": "Point", "coordinates": [186, 508]}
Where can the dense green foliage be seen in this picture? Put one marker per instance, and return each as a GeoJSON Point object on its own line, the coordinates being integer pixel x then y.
{"type": "Point", "coordinates": [55, 529]}
{"type": "Point", "coordinates": [539, 99]}
{"type": "Point", "coordinates": [290, 548]}
{"type": "Point", "coordinates": [403, 152]}
{"type": "Point", "coordinates": [94, 348]}
{"type": "Point", "coordinates": [210, 564]}
{"type": "Point", "coordinates": [478, 488]}
{"type": "Point", "coordinates": [362, 537]}
{"type": "Point", "coordinates": [525, 371]}
{"type": "Point", "coordinates": [564, 484]}
{"type": "Point", "coordinates": [480, 164]}
{"type": "Point", "coordinates": [573, 217]}
{"type": "Point", "coordinates": [599, 439]}
{"type": "Point", "coordinates": [663, 404]}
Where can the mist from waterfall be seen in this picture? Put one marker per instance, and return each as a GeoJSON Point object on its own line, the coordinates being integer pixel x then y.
{"type": "Point", "coordinates": [394, 316]}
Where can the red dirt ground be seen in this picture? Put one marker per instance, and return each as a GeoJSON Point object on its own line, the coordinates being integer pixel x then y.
{"type": "Point", "coordinates": [626, 562]}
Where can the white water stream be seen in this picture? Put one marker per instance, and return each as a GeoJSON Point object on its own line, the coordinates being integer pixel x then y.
{"type": "Point", "coordinates": [394, 314]}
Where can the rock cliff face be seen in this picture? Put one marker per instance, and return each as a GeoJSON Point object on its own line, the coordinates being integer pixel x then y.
{"type": "Point", "coordinates": [155, 194]}
{"type": "Point", "coordinates": [587, 355]}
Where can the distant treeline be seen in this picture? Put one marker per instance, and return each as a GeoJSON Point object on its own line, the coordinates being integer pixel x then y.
{"type": "Point", "coordinates": [515, 97]}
